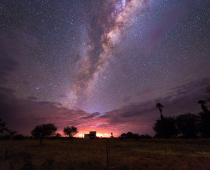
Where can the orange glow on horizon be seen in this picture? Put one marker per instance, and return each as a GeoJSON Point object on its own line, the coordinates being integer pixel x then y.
{"type": "Point", "coordinates": [81, 135]}
{"type": "Point", "coordinates": [106, 135]}
{"type": "Point", "coordinates": [99, 135]}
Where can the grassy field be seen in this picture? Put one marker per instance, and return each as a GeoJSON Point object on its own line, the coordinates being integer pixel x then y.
{"type": "Point", "coordinates": [91, 154]}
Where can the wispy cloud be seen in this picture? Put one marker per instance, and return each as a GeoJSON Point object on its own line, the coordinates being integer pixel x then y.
{"type": "Point", "coordinates": [139, 117]}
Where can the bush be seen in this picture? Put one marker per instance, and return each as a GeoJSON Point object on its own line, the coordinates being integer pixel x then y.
{"type": "Point", "coordinates": [165, 128]}
{"type": "Point", "coordinates": [204, 124]}
{"type": "Point", "coordinates": [187, 125]}
{"type": "Point", "coordinates": [18, 137]}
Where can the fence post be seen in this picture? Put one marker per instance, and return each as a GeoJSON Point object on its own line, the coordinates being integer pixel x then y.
{"type": "Point", "coordinates": [5, 155]}
{"type": "Point", "coordinates": [107, 153]}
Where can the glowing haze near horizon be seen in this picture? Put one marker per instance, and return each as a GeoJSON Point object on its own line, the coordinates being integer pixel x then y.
{"type": "Point", "coordinates": [102, 64]}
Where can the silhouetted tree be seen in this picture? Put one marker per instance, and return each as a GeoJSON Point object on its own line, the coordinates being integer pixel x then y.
{"type": "Point", "coordinates": [136, 136]}
{"type": "Point", "coordinates": [123, 135]}
{"type": "Point", "coordinates": [70, 131]}
{"type": "Point", "coordinates": [160, 106]}
{"type": "Point", "coordinates": [203, 106]}
{"type": "Point", "coordinates": [44, 130]}
{"type": "Point", "coordinates": [18, 137]}
{"type": "Point", "coordinates": [12, 133]}
{"type": "Point", "coordinates": [58, 135]}
{"type": "Point", "coordinates": [165, 128]}
{"type": "Point", "coordinates": [208, 93]}
{"type": "Point", "coordinates": [129, 135]}
{"type": "Point", "coordinates": [204, 124]}
{"type": "Point", "coordinates": [187, 125]}
{"type": "Point", "coordinates": [3, 127]}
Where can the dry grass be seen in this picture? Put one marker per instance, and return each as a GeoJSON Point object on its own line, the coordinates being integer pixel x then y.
{"type": "Point", "coordinates": [91, 154]}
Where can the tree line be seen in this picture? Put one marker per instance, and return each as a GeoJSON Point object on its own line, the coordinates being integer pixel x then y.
{"type": "Point", "coordinates": [46, 130]}
{"type": "Point", "coordinates": [39, 132]}
{"type": "Point", "coordinates": [186, 125]}
{"type": "Point", "coordinates": [135, 136]}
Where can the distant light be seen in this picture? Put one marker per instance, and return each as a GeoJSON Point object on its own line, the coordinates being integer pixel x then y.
{"type": "Point", "coordinates": [99, 134]}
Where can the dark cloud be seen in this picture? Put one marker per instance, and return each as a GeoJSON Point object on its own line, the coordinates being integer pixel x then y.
{"type": "Point", "coordinates": [23, 114]}
{"type": "Point", "coordinates": [91, 115]}
{"type": "Point", "coordinates": [8, 101]}
{"type": "Point", "coordinates": [8, 64]}
{"type": "Point", "coordinates": [181, 100]}
{"type": "Point", "coordinates": [12, 51]}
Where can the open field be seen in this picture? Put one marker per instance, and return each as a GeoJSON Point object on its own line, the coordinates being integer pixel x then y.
{"type": "Point", "coordinates": [91, 154]}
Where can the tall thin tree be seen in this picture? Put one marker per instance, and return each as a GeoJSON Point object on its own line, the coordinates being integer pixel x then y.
{"type": "Point", "coordinates": [203, 106]}
{"type": "Point", "coordinates": [160, 106]}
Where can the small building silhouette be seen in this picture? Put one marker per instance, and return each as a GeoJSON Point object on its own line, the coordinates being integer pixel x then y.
{"type": "Point", "coordinates": [91, 135]}
{"type": "Point", "coordinates": [86, 136]}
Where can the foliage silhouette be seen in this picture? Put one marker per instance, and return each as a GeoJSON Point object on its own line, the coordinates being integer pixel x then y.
{"type": "Point", "coordinates": [18, 137]}
{"type": "Point", "coordinates": [123, 136]}
{"type": "Point", "coordinates": [160, 106]}
{"type": "Point", "coordinates": [204, 124]}
{"type": "Point", "coordinates": [70, 131]}
{"type": "Point", "coordinates": [203, 106]}
{"type": "Point", "coordinates": [44, 130]}
{"type": "Point", "coordinates": [3, 127]}
{"type": "Point", "coordinates": [12, 133]}
{"type": "Point", "coordinates": [165, 128]}
{"type": "Point", "coordinates": [187, 125]}
{"type": "Point", "coordinates": [129, 135]}
{"type": "Point", "coordinates": [5, 132]}
{"type": "Point", "coordinates": [58, 135]}
{"type": "Point", "coordinates": [136, 136]}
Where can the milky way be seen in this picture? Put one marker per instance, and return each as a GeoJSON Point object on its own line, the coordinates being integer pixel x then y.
{"type": "Point", "coordinates": [88, 74]}
{"type": "Point", "coordinates": [102, 65]}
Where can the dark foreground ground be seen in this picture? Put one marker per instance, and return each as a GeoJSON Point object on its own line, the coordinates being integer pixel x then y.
{"type": "Point", "coordinates": [91, 154]}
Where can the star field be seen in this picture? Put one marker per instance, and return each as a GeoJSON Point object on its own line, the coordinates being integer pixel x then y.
{"type": "Point", "coordinates": [105, 57]}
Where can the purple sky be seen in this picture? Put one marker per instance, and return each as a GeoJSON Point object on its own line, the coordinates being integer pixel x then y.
{"type": "Point", "coordinates": [102, 65]}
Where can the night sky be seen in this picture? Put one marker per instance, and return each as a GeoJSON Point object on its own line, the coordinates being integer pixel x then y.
{"type": "Point", "coordinates": [102, 64]}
